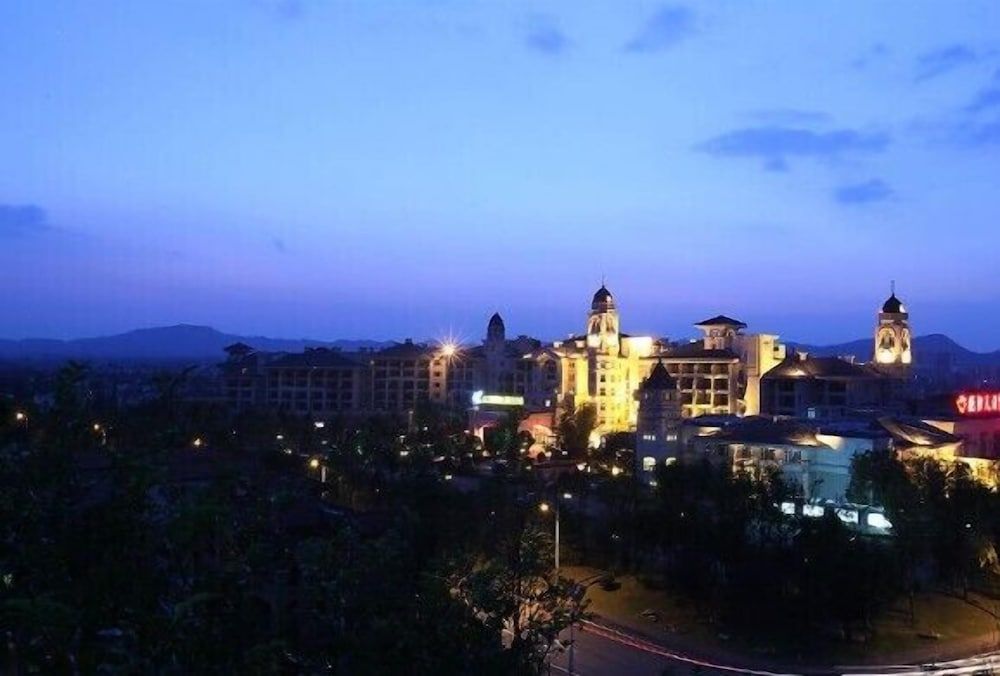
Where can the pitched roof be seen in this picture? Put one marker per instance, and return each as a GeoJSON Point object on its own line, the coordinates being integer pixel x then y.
{"type": "Point", "coordinates": [913, 432]}
{"type": "Point", "coordinates": [722, 320]}
{"type": "Point", "coordinates": [314, 358]}
{"type": "Point", "coordinates": [697, 350]}
{"type": "Point", "coordinates": [761, 430]}
{"type": "Point", "coordinates": [797, 365]}
{"type": "Point", "coordinates": [406, 350]}
{"type": "Point", "coordinates": [659, 379]}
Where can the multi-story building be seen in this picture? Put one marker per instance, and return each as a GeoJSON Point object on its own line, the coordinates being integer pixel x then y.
{"type": "Point", "coordinates": [726, 372]}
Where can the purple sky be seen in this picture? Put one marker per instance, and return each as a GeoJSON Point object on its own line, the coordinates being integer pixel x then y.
{"type": "Point", "coordinates": [382, 170]}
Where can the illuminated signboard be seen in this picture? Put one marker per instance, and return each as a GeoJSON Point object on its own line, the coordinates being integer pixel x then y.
{"type": "Point", "coordinates": [480, 398]}
{"type": "Point", "coordinates": [978, 403]}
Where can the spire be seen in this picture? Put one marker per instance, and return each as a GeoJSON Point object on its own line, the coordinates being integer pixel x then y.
{"type": "Point", "coordinates": [495, 330]}
{"type": "Point", "coordinates": [659, 378]}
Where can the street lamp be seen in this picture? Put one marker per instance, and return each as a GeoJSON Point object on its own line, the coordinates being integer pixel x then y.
{"type": "Point", "coordinates": [20, 416]}
{"type": "Point", "coordinates": [544, 508]}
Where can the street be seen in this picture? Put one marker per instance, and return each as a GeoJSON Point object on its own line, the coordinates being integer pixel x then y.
{"type": "Point", "coordinates": [600, 651]}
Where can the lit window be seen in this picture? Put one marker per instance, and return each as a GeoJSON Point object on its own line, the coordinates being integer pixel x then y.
{"type": "Point", "coordinates": [878, 520]}
{"type": "Point", "coordinates": [648, 463]}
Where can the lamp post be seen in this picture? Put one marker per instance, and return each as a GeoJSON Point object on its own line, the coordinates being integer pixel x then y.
{"type": "Point", "coordinates": [544, 507]}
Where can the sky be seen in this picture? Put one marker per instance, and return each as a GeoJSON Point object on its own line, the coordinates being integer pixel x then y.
{"type": "Point", "coordinates": [406, 168]}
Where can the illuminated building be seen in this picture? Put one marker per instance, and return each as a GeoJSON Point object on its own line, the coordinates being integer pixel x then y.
{"type": "Point", "coordinates": [719, 374]}
{"type": "Point", "coordinates": [658, 426]}
{"type": "Point", "coordinates": [318, 382]}
{"type": "Point", "coordinates": [893, 350]}
{"type": "Point", "coordinates": [603, 367]}
{"type": "Point", "coordinates": [726, 372]}
{"type": "Point", "coordinates": [408, 374]}
{"type": "Point", "coordinates": [801, 384]}
{"type": "Point", "coordinates": [813, 457]}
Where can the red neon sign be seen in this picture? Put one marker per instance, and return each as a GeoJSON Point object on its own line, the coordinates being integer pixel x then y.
{"type": "Point", "coordinates": [978, 403]}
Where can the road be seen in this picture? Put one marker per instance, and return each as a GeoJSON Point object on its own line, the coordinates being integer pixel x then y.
{"type": "Point", "coordinates": [600, 651]}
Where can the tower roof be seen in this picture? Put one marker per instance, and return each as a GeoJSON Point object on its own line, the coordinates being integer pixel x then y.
{"type": "Point", "coordinates": [602, 299]}
{"type": "Point", "coordinates": [722, 320]}
{"type": "Point", "coordinates": [893, 305]}
{"type": "Point", "coordinates": [496, 319]}
{"type": "Point", "coordinates": [659, 378]}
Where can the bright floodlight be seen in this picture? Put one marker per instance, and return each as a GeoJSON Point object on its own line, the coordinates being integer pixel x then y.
{"type": "Point", "coordinates": [314, 463]}
{"type": "Point", "coordinates": [544, 507]}
{"type": "Point", "coordinates": [449, 349]}
{"type": "Point", "coordinates": [20, 416]}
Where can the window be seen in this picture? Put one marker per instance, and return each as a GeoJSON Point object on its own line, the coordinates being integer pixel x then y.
{"type": "Point", "coordinates": [648, 463]}
{"type": "Point", "coordinates": [649, 437]}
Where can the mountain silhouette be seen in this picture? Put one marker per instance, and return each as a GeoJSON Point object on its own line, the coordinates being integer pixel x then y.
{"type": "Point", "coordinates": [930, 349]}
{"type": "Point", "coordinates": [167, 343]}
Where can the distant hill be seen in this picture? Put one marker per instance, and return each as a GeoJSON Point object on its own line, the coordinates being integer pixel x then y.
{"type": "Point", "coordinates": [929, 349]}
{"type": "Point", "coordinates": [167, 343]}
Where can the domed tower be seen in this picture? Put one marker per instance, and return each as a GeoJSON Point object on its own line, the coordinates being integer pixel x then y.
{"type": "Point", "coordinates": [602, 322]}
{"type": "Point", "coordinates": [659, 421]}
{"type": "Point", "coordinates": [496, 333]}
{"type": "Point", "coordinates": [893, 352]}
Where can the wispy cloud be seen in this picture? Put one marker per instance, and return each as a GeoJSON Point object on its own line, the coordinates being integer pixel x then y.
{"type": "Point", "coordinates": [22, 220]}
{"type": "Point", "coordinates": [987, 98]}
{"type": "Point", "coordinates": [776, 145]}
{"type": "Point", "coordinates": [665, 28]}
{"type": "Point", "coordinates": [940, 61]}
{"type": "Point", "coordinates": [545, 37]}
{"type": "Point", "coordinates": [284, 10]}
{"type": "Point", "coordinates": [973, 126]}
{"type": "Point", "coordinates": [872, 56]}
{"type": "Point", "coordinates": [866, 192]}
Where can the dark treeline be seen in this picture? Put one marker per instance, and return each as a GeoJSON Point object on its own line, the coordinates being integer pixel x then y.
{"type": "Point", "coordinates": [719, 539]}
{"type": "Point", "coordinates": [174, 538]}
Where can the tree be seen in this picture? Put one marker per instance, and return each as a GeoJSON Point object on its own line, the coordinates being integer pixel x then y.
{"type": "Point", "coordinates": [575, 427]}
{"type": "Point", "coordinates": [516, 596]}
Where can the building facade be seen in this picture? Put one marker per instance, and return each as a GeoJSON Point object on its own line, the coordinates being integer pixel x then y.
{"type": "Point", "coordinates": [727, 372]}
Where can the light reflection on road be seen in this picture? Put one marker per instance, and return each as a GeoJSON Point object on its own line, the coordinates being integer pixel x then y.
{"type": "Point", "coordinates": [600, 650]}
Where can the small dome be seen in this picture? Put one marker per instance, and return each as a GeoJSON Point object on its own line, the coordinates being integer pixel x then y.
{"type": "Point", "coordinates": [659, 379]}
{"type": "Point", "coordinates": [893, 305]}
{"type": "Point", "coordinates": [602, 299]}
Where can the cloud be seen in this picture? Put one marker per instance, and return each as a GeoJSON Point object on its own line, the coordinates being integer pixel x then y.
{"type": "Point", "coordinates": [22, 220]}
{"type": "Point", "coordinates": [668, 26]}
{"type": "Point", "coordinates": [940, 61]}
{"type": "Point", "coordinates": [866, 192]}
{"type": "Point", "coordinates": [873, 55]}
{"type": "Point", "coordinates": [285, 10]}
{"type": "Point", "coordinates": [544, 36]}
{"type": "Point", "coordinates": [775, 145]}
{"type": "Point", "coordinates": [987, 98]}
{"type": "Point", "coordinates": [978, 134]}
